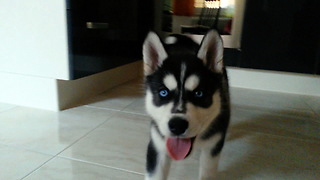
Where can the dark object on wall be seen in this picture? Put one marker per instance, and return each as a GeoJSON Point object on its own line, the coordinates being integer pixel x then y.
{"type": "Point", "coordinates": [183, 7]}
{"type": "Point", "coordinates": [105, 34]}
{"type": "Point", "coordinates": [231, 57]}
{"type": "Point", "coordinates": [282, 35]}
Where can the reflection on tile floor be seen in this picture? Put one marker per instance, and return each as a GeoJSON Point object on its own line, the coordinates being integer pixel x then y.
{"type": "Point", "coordinates": [272, 136]}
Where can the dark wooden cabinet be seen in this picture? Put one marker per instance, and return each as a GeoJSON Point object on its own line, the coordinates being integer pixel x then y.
{"type": "Point", "coordinates": [104, 34]}
{"type": "Point", "coordinates": [281, 35]}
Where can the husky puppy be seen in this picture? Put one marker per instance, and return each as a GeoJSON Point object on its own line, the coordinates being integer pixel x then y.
{"type": "Point", "coordinates": [188, 100]}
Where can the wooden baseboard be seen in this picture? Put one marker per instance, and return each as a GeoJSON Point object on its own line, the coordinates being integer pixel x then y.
{"type": "Point", "coordinates": [71, 93]}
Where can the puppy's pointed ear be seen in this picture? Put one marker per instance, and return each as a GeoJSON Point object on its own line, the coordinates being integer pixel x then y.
{"type": "Point", "coordinates": [153, 53]}
{"type": "Point", "coordinates": [211, 51]}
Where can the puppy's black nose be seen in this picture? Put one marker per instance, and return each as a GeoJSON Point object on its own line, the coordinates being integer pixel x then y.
{"type": "Point", "coordinates": [178, 126]}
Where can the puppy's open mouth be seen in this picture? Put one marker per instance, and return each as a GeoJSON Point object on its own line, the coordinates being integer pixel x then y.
{"type": "Point", "coordinates": [179, 148]}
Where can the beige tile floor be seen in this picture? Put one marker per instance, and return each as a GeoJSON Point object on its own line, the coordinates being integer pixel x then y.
{"type": "Point", "coordinates": [272, 136]}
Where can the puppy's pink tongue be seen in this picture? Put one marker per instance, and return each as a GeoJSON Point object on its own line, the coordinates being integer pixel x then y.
{"type": "Point", "coordinates": [178, 148]}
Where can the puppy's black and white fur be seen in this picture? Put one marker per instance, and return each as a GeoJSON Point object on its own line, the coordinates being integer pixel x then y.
{"type": "Point", "coordinates": [187, 97]}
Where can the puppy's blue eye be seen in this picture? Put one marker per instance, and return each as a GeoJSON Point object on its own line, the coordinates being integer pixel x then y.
{"type": "Point", "coordinates": [198, 94]}
{"type": "Point", "coordinates": [164, 93]}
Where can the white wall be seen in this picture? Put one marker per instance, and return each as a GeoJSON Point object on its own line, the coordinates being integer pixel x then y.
{"type": "Point", "coordinates": [55, 95]}
{"type": "Point", "coordinates": [29, 91]}
{"type": "Point", "coordinates": [33, 38]}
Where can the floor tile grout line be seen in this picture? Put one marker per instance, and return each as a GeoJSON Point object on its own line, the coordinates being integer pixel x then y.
{"type": "Point", "coordinates": [128, 105]}
{"type": "Point", "coordinates": [36, 169]}
{"type": "Point", "coordinates": [311, 108]}
{"type": "Point", "coordinates": [263, 108]}
{"type": "Point", "coordinates": [116, 110]}
{"type": "Point", "coordinates": [277, 136]}
{"type": "Point", "coordinates": [312, 114]}
{"type": "Point", "coordinates": [102, 108]}
{"type": "Point", "coordinates": [100, 165]}
{"type": "Point", "coordinates": [256, 108]}
{"type": "Point", "coordinates": [135, 113]}
{"type": "Point", "coordinates": [307, 114]}
{"type": "Point", "coordinates": [14, 146]}
{"type": "Point", "coordinates": [57, 155]}
{"type": "Point", "coordinates": [86, 134]}
{"type": "Point", "coordinates": [17, 147]}
{"type": "Point", "coordinates": [305, 102]}
{"type": "Point", "coordinates": [83, 136]}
